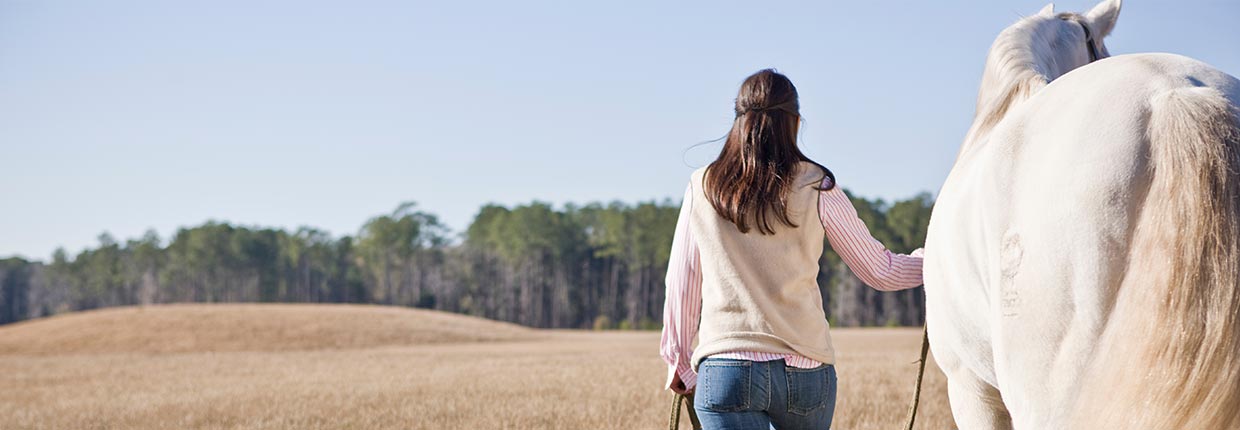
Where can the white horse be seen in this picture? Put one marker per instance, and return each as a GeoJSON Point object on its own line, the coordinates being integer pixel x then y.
{"type": "Point", "coordinates": [1083, 256]}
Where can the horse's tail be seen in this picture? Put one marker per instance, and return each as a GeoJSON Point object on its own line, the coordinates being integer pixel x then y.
{"type": "Point", "coordinates": [1170, 355]}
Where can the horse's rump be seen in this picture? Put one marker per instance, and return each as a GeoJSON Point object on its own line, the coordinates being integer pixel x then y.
{"type": "Point", "coordinates": [1169, 355]}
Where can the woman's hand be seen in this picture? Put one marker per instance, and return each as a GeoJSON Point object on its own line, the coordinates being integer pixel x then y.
{"type": "Point", "coordinates": [678, 386]}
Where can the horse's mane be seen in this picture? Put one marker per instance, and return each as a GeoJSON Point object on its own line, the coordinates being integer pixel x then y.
{"type": "Point", "coordinates": [1022, 61]}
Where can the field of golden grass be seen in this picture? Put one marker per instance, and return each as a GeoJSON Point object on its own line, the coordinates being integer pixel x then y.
{"type": "Point", "coordinates": [363, 367]}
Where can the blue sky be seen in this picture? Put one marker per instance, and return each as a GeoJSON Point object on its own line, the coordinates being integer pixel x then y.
{"type": "Point", "coordinates": [121, 116]}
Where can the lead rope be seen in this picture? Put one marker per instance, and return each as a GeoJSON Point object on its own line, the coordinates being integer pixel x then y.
{"type": "Point", "coordinates": [693, 419]}
{"type": "Point", "coordinates": [921, 372]}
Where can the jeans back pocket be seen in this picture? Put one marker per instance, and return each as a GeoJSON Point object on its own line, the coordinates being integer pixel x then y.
{"type": "Point", "coordinates": [810, 389]}
{"type": "Point", "coordinates": [725, 384]}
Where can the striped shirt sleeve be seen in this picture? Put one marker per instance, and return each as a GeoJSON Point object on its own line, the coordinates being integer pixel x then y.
{"type": "Point", "coordinates": [682, 307]}
{"type": "Point", "coordinates": [872, 262]}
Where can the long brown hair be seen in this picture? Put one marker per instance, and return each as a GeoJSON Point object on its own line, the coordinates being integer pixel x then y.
{"type": "Point", "coordinates": [751, 179]}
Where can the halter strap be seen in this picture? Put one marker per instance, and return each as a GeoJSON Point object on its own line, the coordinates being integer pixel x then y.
{"type": "Point", "coordinates": [1089, 37]}
{"type": "Point", "coordinates": [1089, 42]}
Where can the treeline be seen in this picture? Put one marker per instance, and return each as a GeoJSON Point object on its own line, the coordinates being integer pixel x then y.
{"type": "Point", "coordinates": [593, 266]}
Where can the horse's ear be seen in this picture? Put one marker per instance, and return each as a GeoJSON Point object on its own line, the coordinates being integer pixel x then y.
{"type": "Point", "coordinates": [1102, 17]}
{"type": "Point", "coordinates": [1048, 10]}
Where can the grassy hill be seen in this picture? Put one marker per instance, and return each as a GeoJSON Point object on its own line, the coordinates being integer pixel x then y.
{"type": "Point", "coordinates": [285, 366]}
{"type": "Point", "coordinates": [248, 327]}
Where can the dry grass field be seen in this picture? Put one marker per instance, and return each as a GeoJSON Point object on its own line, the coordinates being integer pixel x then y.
{"type": "Point", "coordinates": [363, 367]}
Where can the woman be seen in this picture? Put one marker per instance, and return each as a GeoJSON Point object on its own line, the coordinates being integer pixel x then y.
{"type": "Point", "coordinates": [745, 265]}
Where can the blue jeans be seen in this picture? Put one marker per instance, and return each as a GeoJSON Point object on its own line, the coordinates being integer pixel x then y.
{"type": "Point", "coordinates": [743, 394]}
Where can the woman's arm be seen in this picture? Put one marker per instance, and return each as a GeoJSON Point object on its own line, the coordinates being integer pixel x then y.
{"type": "Point", "coordinates": [682, 309]}
{"type": "Point", "coordinates": [878, 267]}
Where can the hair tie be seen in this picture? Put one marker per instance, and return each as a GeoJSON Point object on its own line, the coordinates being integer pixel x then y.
{"type": "Point", "coordinates": [788, 106]}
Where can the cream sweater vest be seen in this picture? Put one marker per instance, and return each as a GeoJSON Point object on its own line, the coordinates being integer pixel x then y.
{"type": "Point", "coordinates": [760, 292]}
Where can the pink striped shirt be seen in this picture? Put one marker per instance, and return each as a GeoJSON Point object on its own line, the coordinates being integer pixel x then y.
{"type": "Point", "coordinates": [878, 267]}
